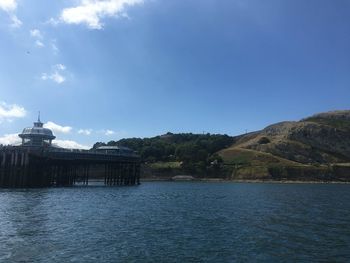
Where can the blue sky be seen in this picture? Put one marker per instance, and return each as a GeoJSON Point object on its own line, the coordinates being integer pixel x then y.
{"type": "Point", "coordinates": [104, 70]}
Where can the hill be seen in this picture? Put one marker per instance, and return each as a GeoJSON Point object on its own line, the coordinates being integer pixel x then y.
{"type": "Point", "coordinates": [314, 148]}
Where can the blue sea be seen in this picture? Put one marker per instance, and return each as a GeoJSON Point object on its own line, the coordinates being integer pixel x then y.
{"type": "Point", "coordinates": [177, 222]}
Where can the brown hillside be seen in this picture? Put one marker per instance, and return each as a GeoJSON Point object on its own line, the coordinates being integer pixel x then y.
{"type": "Point", "coordinates": [319, 140]}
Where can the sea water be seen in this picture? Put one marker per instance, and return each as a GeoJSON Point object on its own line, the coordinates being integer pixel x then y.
{"type": "Point", "coordinates": [177, 222]}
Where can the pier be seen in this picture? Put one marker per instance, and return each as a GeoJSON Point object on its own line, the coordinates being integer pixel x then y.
{"type": "Point", "coordinates": [37, 163]}
{"type": "Point", "coordinates": [35, 167]}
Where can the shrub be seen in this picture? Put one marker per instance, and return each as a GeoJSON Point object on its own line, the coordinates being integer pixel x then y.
{"type": "Point", "coordinates": [264, 140]}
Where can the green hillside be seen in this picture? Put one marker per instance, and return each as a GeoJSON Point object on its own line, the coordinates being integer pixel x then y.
{"type": "Point", "coordinates": [184, 153]}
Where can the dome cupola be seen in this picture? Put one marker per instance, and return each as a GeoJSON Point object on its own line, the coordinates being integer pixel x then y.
{"type": "Point", "coordinates": [37, 135]}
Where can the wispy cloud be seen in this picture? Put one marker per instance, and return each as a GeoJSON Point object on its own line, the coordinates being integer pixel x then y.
{"type": "Point", "coordinates": [90, 12]}
{"type": "Point", "coordinates": [60, 66]}
{"type": "Point", "coordinates": [39, 43]}
{"type": "Point", "coordinates": [35, 33]}
{"type": "Point", "coordinates": [56, 74]}
{"type": "Point", "coordinates": [56, 128]}
{"type": "Point", "coordinates": [10, 139]}
{"type": "Point", "coordinates": [15, 21]}
{"type": "Point", "coordinates": [71, 144]}
{"type": "Point", "coordinates": [10, 6]}
{"type": "Point", "coordinates": [10, 111]}
{"type": "Point", "coordinates": [85, 131]}
{"type": "Point", "coordinates": [109, 132]}
{"type": "Point", "coordinates": [54, 47]}
{"type": "Point", "coordinates": [52, 21]}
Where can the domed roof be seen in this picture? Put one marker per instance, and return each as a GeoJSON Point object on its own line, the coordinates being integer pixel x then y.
{"type": "Point", "coordinates": [37, 131]}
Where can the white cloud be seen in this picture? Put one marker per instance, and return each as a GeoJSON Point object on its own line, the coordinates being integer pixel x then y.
{"type": "Point", "coordinates": [71, 144]}
{"type": "Point", "coordinates": [10, 139]}
{"type": "Point", "coordinates": [36, 33]}
{"type": "Point", "coordinates": [56, 74]}
{"type": "Point", "coordinates": [8, 5]}
{"type": "Point", "coordinates": [57, 128]}
{"type": "Point", "coordinates": [109, 132]}
{"type": "Point", "coordinates": [90, 12]}
{"type": "Point", "coordinates": [9, 112]}
{"type": "Point", "coordinates": [85, 131]}
{"type": "Point", "coordinates": [57, 77]}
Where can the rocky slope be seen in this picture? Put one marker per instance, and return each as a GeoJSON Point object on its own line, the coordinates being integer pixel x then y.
{"type": "Point", "coordinates": [318, 142]}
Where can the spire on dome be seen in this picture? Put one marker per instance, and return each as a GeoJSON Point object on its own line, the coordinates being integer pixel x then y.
{"type": "Point", "coordinates": [38, 123]}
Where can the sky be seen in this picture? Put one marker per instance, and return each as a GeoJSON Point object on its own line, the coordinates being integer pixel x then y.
{"type": "Point", "coordinates": [111, 69]}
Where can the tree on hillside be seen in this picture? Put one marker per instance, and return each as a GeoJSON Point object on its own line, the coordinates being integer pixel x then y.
{"type": "Point", "coordinates": [194, 151]}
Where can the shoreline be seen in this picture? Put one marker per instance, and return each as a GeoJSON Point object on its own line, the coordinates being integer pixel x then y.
{"type": "Point", "coordinates": [218, 180]}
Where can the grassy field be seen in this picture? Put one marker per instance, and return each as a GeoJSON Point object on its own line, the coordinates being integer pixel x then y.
{"type": "Point", "coordinates": [165, 165]}
{"type": "Point", "coordinates": [241, 156]}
